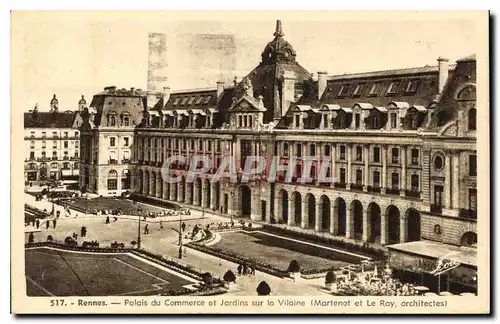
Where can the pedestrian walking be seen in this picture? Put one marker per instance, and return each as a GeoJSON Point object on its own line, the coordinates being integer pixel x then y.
{"type": "Point", "coordinates": [107, 219]}
{"type": "Point", "coordinates": [31, 238]}
{"type": "Point", "coordinates": [183, 226]}
{"type": "Point", "coordinates": [161, 225]}
{"type": "Point", "coordinates": [37, 224]}
{"type": "Point", "coordinates": [54, 222]}
{"type": "Point", "coordinates": [146, 229]}
{"type": "Point", "coordinates": [47, 224]}
{"type": "Point", "coordinates": [244, 268]}
{"type": "Point", "coordinates": [83, 231]}
{"type": "Point", "coordinates": [240, 267]}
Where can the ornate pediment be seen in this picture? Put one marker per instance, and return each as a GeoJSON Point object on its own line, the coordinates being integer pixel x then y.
{"type": "Point", "coordinates": [246, 104]}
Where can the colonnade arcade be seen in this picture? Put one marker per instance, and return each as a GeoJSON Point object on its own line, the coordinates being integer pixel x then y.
{"type": "Point", "coordinates": [349, 218]}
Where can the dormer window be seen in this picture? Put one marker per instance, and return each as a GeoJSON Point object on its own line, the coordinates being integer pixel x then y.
{"type": "Point", "coordinates": [393, 88]}
{"type": "Point", "coordinates": [191, 100]}
{"type": "Point", "coordinates": [200, 99]}
{"type": "Point", "coordinates": [207, 100]}
{"type": "Point", "coordinates": [412, 86]}
{"type": "Point", "coordinates": [374, 89]}
{"type": "Point", "coordinates": [176, 102]}
{"type": "Point", "coordinates": [343, 90]}
{"type": "Point", "coordinates": [112, 120]}
{"type": "Point", "coordinates": [184, 100]}
{"type": "Point", "coordinates": [358, 90]}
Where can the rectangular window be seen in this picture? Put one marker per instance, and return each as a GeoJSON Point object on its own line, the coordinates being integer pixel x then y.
{"type": "Point", "coordinates": [438, 195]}
{"type": "Point", "coordinates": [376, 179]}
{"type": "Point", "coordinates": [472, 165]}
{"type": "Point", "coordinates": [343, 90]}
{"type": "Point", "coordinates": [395, 155]}
{"type": "Point", "coordinates": [358, 90]}
{"type": "Point", "coordinates": [393, 120]}
{"type": "Point", "coordinates": [245, 121]}
{"type": "Point", "coordinates": [240, 121]}
{"type": "Point", "coordinates": [176, 101]}
{"type": "Point", "coordinates": [32, 155]}
{"type": "Point", "coordinates": [359, 177]}
{"type": "Point", "coordinates": [112, 184]}
{"type": "Point", "coordinates": [342, 152]}
{"type": "Point", "coordinates": [65, 144]}
{"type": "Point", "coordinates": [374, 89]}
{"type": "Point", "coordinates": [218, 145]}
{"type": "Point", "coordinates": [473, 199]}
{"type": "Point", "coordinates": [184, 100]}
{"type": "Point", "coordinates": [200, 145]}
{"type": "Point", "coordinates": [44, 134]}
{"type": "Point", "coordinates": [412, 86]}
{"type": "Point", "coordinates": [299, 150]}
{"type": "Point", "coordinates": [209, 146]}
{"type": "Point", "coordinates": [192, 145]}
{"type": "Point", "coordinates": [414, 157]}
{"type": "Point", "coordinates": [327, 150]}
{"type": "Point", "coordinates": [125, 141]}
{"type": "Point", "coordinates": [393, 87]}
{"type": "Point", "coordinates": [415, 186]}
{"type": "Point", "coordinates": [325, 121]}
{"type": "Point", "coordinates": [285, 149]}
{"type": "Point", "coordinates": [376, 154]}
{"type": "Point", "coordinates": [359, 153]}
{"type": "Point", "coordinates": [395, 180]}
{"type": "Point", "coordinates": [297, 121]}
{"type": "Point", "coordinates": [357, 120]}
{"type": "Point", "coordinates": [191, 100]}
{"type": "Point", "coordinates": [312, 150]}
{"type": "Point", "coordinates": [112, 141]}
{"type": "Point", "coordinates": [342, 175]}
{"type": "Point", "coordinates": [66, 134]}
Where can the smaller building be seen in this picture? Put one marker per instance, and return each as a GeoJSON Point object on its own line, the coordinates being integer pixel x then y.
{"type": "Point", "coordinates": [52, 143]}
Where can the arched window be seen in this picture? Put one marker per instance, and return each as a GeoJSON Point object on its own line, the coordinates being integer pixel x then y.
{"type": "Point", "coordinates": [66, 166]}
{"type": "Point", "coordinates": [126, 121]}
{"type": "Point", "coordinates": [76, 165]}
{"type": "Point", "coordinates": [54, 165]}
{"type": "Point", "coordinates": [471, 117]}
{"type": "Point", "coordinates": [112, 180]}
{"type": "Point", "coordinates": [112, 120]}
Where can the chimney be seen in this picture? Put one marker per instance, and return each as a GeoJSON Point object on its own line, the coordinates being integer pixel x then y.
{"type": "Point", "coordinates": [166, 95]}
{"type": "Point", "coordinates": [321, 83]}
{"type": "Point", "coordinates": [220, 90]}
{"type": "Point", "coordinates": [443, 72]}
{"type": "Point", "coordinates": [287, 92]}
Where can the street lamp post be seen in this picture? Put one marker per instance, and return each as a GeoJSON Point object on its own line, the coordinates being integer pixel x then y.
{"type": "Point", "coordinates": [180, 235]}
{"type": "Point", "coordinates": [138, 209]}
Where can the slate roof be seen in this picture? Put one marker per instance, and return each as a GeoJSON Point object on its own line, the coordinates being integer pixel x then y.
{"type": "Point", "coordinates": [49, 119]}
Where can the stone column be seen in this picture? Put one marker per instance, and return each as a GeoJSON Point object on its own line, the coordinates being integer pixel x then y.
{"type": "Point", "coordinates": [402, 229]}
{"type": "Point", "coordinates": [349, 230]}
{"type": "Point", "coordinates": [447, 182]}
{"type": "Point", "coordinates": [213, 196]}
{"type": "Point", "coordinates": [166, 190]}
{"type": "Point", "coordinates": [403, 171]}
{"type": "Point", "coordinates": [319, 219]}
{"type": "Point", "coordinates": [278, 208]}
{"type": "Point", "coordinates": [188, 197]}
{"type": "Point", "coordinates": [333, 153]}
{"type": "Point", "coordinates": [366, 157]}
{"type": "Point", "coordinates": [383, 228]}
{"type": "Point", "coordinates": [366, 226]}
{"type": "Point", "coordinates": [204, 189]}
{"type": "Point", "coordinates": [383, 185]}
{"type": "Point", "coordinates": [334, 219]}
{"type": "Point", "coordinates": [180, 191]}
{"type": "Point", "coordinates": [455, 190]}
{"type": "Point", "coordinates": [304, 220]}
{"type": "Point", "coordinates": [172, 191]}
{"type": "Point", "coordinates": [196, 198]}
{"type": "Point", "coordinates": [151, 181]}
{"type": "Point", "coordinates": [291, 211]}
{"type": "Point", "coordinates": [230, 199]}
{"type": "Point", "coordinates": [349, 166]}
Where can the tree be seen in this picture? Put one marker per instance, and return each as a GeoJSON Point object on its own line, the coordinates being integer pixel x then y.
{"type": "Point", "coordinates": [263, 289]}
{"type": "Point", "coordinates": [294, 266]}
{"type": "Point", "coordinates": [133, 243]}
{"type": "Point", "coordinates": [49, 238]}
{"type": "Point", "coordinates": [229, 276]}
{"type": "Point", "coordinates": [207, 279]}
{"type": "Point", "coordinates": [330, 277]}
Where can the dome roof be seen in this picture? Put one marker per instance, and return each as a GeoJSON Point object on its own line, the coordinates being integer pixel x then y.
{"type": "Point", "coordinates": [278, 50]}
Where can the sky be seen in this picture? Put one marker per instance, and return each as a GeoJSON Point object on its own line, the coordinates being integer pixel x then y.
{"type": "Point", "coordinates": [79, 53]}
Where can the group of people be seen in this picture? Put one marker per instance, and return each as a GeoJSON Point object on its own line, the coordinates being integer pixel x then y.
{"type": "Point", "coordinates": [373, 285]}
{"type": "Point", "coordinates": [170, 212]}
{"type": "Point", "coordinates": [244, 269]}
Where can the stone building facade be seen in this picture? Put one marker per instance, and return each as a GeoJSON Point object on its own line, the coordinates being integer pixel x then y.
{"type": "Point", "coordinates": [401, 143]}
{"type": "Point", "coordinates": [52, 143]}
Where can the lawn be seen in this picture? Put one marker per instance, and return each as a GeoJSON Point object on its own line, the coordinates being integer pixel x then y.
{"type": "Point", "coordinates": [279, 251]}
{"type": "Point", "coordinates": [64, 273]}
{"type": "Point", "coordinates": [127, 206]}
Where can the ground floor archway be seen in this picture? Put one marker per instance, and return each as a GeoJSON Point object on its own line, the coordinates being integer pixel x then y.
{"type": "Point", "coordinates": [245, 198]}
{"type": "Point", "coordinates": [413, 221]}
{"type": "Point", "coordinates": [393, 224]}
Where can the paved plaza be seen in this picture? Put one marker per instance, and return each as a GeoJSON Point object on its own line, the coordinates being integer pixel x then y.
{"type": "Point", "coordinates": [165, 242]}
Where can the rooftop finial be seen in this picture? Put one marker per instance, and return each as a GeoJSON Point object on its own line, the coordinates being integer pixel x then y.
{"type": "Point", "coordinates": [279, 29]}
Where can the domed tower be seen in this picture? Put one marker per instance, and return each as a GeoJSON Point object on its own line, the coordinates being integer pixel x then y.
{"type": "Point", "coordinates": [54, 104]}
{"type": "Point", "coordinates": [278, 78]}
{"type": "Point", "coordinates": [82, 104]}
